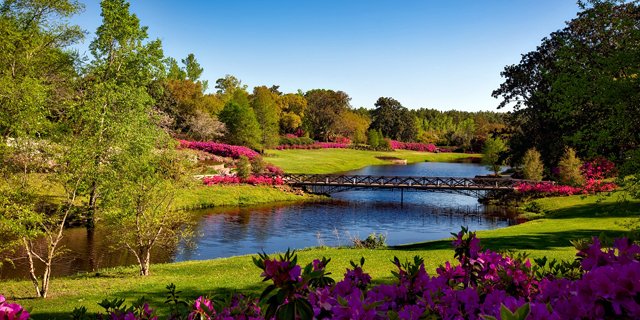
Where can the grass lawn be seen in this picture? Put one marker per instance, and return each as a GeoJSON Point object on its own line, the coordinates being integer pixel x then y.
{"type": "Point", "coordinates": [200, 196]}
{"type": "Point", "coordinates": [562, 219]}
{"type": "Point", "coordinates": [337, 160]}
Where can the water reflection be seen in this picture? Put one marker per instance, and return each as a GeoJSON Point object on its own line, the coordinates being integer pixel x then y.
{"type": "Point", "coordinates": [421, 216]}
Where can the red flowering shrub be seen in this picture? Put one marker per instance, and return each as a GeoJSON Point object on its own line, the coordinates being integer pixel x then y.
{"type": "Point", "coordinates": [599, 168]}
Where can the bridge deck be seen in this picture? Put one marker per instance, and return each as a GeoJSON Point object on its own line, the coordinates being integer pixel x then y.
{"type": "Point", "coordinates": [403, 182]}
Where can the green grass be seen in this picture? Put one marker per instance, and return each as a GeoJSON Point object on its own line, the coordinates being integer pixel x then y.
{"type": "Point", "coordinates": [337, 160]}
{"type": "Point", "coordinates": [561, 220]}
{"type": "Point", "coordinates": [200, 196]}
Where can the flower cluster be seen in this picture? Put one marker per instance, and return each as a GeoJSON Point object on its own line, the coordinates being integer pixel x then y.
{"type": "Point", "coordinates": [341, 140]}
{"type": "Point", "coordinates": [12, 311]}
{"type": "Point", "coordinates": [219, 149]}
{"type": "Point", "coordinates": [591, 186]}
{"type": "Point", "coordinates": [415, 146]}
{"type": "Point", "coordinates": [271, 168]}
{"type": "Point", "coordinates": [599, 168]}
{"type": "Point", "coordinates": [444, 150]}
{"type": "Point", "coordinates": [254, 180]}
{"type": "Point", "coordinates": [238, 308]}
{"type": "Point", "coordinates": [318, 145]}
{"type": "Point", "coordinates": [291, 135]}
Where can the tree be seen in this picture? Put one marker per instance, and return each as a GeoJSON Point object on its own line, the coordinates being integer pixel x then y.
{"type": "Point", "coordinates": [203, 127]}
{"type": "Point", "coordinates": [372, 137]}
{"type": "Point", "coordinates": [242, 126]}
{"type": "Point", "coordinates": [193, 70]}
{"type": "Point", "coordinates": [324, 110]}
{"type": "Point", "coordinates": [569, 165]}
{"type": "Point", "coordinates": [174, 72]}
{"type": "Point", "coordinates": [116, 104]}
{"type": "Point", "coordinates": [393, 120]}
{"type": "Point", "coordinates": [580, 78]}
{"type": "Point", "coordinates": [227, 86]}
{"type": "Point", "coordinates": [532, 166]}
{"type": "Point", "coordinates": [292, 109]}
{"type": "Point", "coordinates": [143, 213]}
{"type": "Point", "coordinates": [491, 154]}
{"type": "Point", "coordinates": [36, 73]}
{"type": "Point", "coordinates": [266, 112]}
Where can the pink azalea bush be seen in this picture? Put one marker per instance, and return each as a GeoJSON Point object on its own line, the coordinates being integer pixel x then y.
{"type": "Point", "coordinates": [318, 145]}
{"type": "Point", "coordinates": [271, 168]}
{"type": "Point", "coordinates": [415, 146]}
{"type": "Point", "coordinates": [219, 149]}
{"type": "Point", "coordinates": [12, 311]}
{"type": "Point", "coordinates": [254, 180]}
{"type": "Point", "coordinates": [599, 168]}
{"type": "Point", "coordinates": [591, 186]}
{"type": "Point", "coordinates": [444, 150]}
{"type": "Point", "coordinates": [340, 140]}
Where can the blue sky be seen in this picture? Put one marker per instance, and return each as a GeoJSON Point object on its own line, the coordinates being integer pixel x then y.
{"type": "Point", "coordinates": [426, 54]}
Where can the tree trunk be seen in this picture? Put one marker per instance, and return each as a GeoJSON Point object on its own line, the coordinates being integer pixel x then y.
{"type": "Point", "coordinates": [145, 262]}
{"type": "Point", "coordinates": [91, 212]}
{"type": "Point", "coordinates": [32, 269]}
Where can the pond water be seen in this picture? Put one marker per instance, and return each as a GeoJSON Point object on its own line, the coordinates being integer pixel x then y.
{"type": "Point", "coordinates": [420, 216]}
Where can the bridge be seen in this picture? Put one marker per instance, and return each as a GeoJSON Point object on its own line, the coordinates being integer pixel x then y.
{"type": "Point", "coordinates": [332, 183]}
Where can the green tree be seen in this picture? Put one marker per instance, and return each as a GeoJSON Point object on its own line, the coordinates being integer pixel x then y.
{"type": "Point", "coordinates": [227, 86]}
{"type": "Point", "coordinates": [532, 166]}
{"type": "Point", "coordinates": [491, 154]}
{"type": "Point", "coordinates": [569, 165]}
{"type": "Point", "coordinates": [372, 137]}
{"type": "Point", "coordinates": [174, 71]}
{"type": "Point", "coordinates": [243, 167]}
{"type": "Point", "coordinates": [579, 87]}
{"type": "Point", "coordinates": [193, 70]}
{"type": "Point", "coordinates": [393, 120]}
{"type": "Point", "coordinates": [242, 126]}
{"type": "Point", "coordinates": [324, 110]}
{"type": "Point", "coordinates": [266, 113]}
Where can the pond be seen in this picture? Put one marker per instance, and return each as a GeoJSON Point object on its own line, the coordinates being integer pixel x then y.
{"type": "Point", "coordinates": [231, 231]}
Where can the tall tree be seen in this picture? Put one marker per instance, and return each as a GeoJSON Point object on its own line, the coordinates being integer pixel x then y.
{"type": "Point", "coordinates": [266, 112]}
{"type": "Point", "coordinates": [242, 126]}
{"type": "Point", "coordinates": [580, 78]}
{"type": "Point", "coordinates": [116, 104]}
{"type": "Point", "coordinates": [393, 120]}
{"type": "Point", "coordinates": [174, 71]}
{"type": "Point", "coordinates": [35, 72]}
{"type": "Point", "coordinates": [194, 70]}
{"type": "Point", "coordinates": [227, 86]}
{"type": "Point", "coordinates": [324, 110]}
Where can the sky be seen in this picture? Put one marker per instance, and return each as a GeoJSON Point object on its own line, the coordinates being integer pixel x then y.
{"type": "Point", "coordinates": [426, 54]}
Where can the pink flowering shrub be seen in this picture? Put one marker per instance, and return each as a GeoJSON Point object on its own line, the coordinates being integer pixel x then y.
{"type": "Point", "coordinates": [318, 145]}
{"type": "Point", "coordinates": [219, 149]}
{"type": "Point", "coordinates": [340, 140]}
{"type": "Point", "coordinates": [599, 168]}
{"type": "Point", "coordinates": [415, 146]}
{"type": "Point", "coordinates": [12, 311]}
{"type": "Point", "coordinates": [444, 150]}
{"type": "Point", "coordinates": [591, 186]}
{"type": "Point", "coordinates": [271, 168]}
{"type": "Point", "coordinates": [254, 180]}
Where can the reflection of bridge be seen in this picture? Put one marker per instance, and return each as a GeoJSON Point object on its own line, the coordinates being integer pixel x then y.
{"type": "Point", "coordinates": [331, 183]}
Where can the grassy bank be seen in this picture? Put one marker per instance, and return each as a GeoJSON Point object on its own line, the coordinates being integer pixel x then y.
{"type": "Point", "coordinates": [560, 220]}
{"type": "Point", "coordinates": [336, 160]}
{"type": "Point", "coordinates": [200, 196]}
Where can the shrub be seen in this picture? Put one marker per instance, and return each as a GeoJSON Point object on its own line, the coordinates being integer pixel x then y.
{"type": "Point", "coordinates": [257, 165]}
{"type": "Point", "coordinates": [306, 141]}
{"type": "Point", "coordinates": [384, 144]}
{"type": "Point", "coordinates": [569, 166]}
{"type": "Point", "coordinates": [599, 168]}
{"type": "Point", "coordinates": [532, 167]}
{"type": "Point", "coordinates": [219, 149]}
{"type": "Point", "coordinates": [491, 151]}
{"type": "Point", "coordinates": [373, 241]}
{"type": "Point", "coordinates": [243, 167]}
{"type": "Point", "coordinates": [372, 137]}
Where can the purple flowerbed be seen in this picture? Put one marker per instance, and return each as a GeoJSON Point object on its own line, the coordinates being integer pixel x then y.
{"type": "Point", "coordinates": [599, 284]}
{"type": "Point", "coordinates": [219, 149]}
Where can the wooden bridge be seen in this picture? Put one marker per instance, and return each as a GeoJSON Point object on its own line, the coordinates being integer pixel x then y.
{"type": "Point", "coordinates": [331, 183]}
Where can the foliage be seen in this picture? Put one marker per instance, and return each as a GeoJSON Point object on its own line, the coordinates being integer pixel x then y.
{"type": "Point", "coordinates": [219, 149]}
{"type": "Point", "coordinates": [242, 127]}
{"type": "Point", "coordinates": [372, 138]}
{"type": "Point", "coordinates": [243, 167]}
{"type": "Point", "coordinates": [590, 186]}
{"type": "Point", "coordinates": [254, 180]}
{"type": "Point", "coordinates": [12, 311]}
{"type": "Point", "coordinates": [295, 141]}
{"type": "Point", "coordinates": [324, 109]}
{"type": "Point", "coordinates": [190, 98]}
{"type": "Point", "coordinates": [491, 152]}
{"type": "Point", "coordinates": [266, 113]}
{"type": "Point", "coordinates": [393, 120]}
{"type": "Point", "coordinates": [575, 88]}
{"type": "Point", "coordinates": [569, 166]}
{"type": "Point", "coordinates": [415, 146]}
{"type": "Point", "coordinates": [599, 168]}
{"type": "Point", "coordinates": [292, 109]}
{"type": "Point", "coordinates": [227, 88]}
{"type": "Point", "coordinates": [205, 128]}
{"type": "Point", "coordinates": [257, 165]}
{"type": "Point", "coordinates": [532, 166]}
{"type": "Point", "coordinates": [373, 241]}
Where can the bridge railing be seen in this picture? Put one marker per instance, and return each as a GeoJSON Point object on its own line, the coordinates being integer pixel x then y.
{"type": "Point", "coordinates": [404, 181]}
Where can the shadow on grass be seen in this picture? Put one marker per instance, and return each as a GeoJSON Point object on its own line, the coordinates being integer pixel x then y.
{"type": "Point", "coordinates": [594, 210]}
{"type": "Point", "coordinates": [537, 241]}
